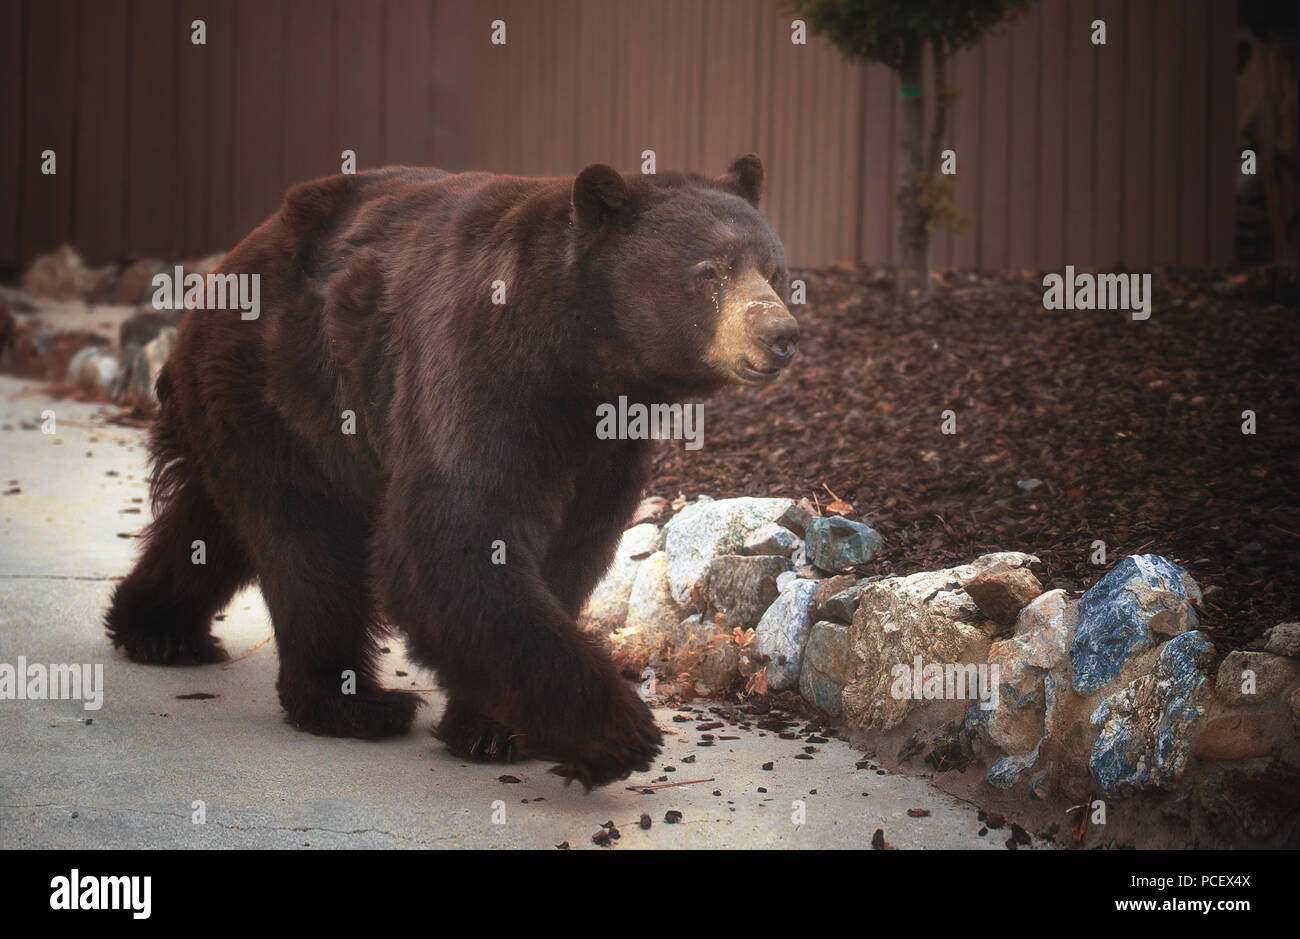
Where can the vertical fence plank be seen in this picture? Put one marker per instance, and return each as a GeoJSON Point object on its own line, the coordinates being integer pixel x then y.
{"type": "Point", "coordinates": [1052, 120]}
{"type": "Point", "coordinates": [994, 156]}
{"type": "Point", "coordinates": [307, 149]}
{"type": "Point", "coordinates": [782, 66]}
{"type": "Point", "coordinates": [12, 40]}
{"type": "Point", "coordinates": [220, 233]}
{"type": "Point", "coordinates": [1110, 145]}
{"type": "Point", "coordinates": [762, 82]}
{"type": "Point", "coordinates": [358, 82]}
{"type": "Point", "coordinates": [151, 144]}
{"type": "Point", "coordinates": [848, 194]}
{"type": "Point", "coordinates": [408, 82]}
{"type": "Point", "coordinates": [1022, 163]}
{"type": "Point", "coordinates": [730, 63]}
{"type": "Point", "coordinates": [949, 143]}
{"type": "Point", "coordinates": [1139, 138]}
{"type": "Point", "coordinates": [101, 120]}
{"type": "Point", "coordinates": [50, 100]}
{"type": "Point", "coordinates": [1223, 158]}
{"type": "Point", "coordinates": [196, 122]}
{"type": "Point", "coordinates": [256, 144]}
{"type": "Point", "coordinates": [967, 127]}
{"type": "Point", "coordinates": [1194, 96]}
{"type": "Point", "coordinates": [1166, 162]}
{"type": "Point", "coordinates": [1081, 129]}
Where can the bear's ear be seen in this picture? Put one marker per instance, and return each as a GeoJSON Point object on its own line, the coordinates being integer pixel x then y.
{"type": "Point", "coordinates": [598, 192]}
{"type": "Point", "coordinates": [745, 178]}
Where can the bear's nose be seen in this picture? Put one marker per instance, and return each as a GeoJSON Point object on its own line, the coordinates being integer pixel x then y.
{"type": "Point", "coordinates": [779, 333]}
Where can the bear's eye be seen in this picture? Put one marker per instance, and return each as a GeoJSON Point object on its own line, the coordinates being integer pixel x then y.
{"type": "Point", "coordinates": [707, 271]}
{"type": "Point", "coordinates": [775, 279]}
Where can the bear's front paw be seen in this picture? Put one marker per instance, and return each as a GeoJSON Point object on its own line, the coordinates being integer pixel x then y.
{"type": "Point", "coordinates": [471, 736]}
{"type": "Point", "coordinates": [623, 741]}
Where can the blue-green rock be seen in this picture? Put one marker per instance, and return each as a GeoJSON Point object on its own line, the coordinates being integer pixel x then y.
{"type": "Point", "coordinates": [836, 543]}
{"type": "Point", "coordinates": [1122, 613]}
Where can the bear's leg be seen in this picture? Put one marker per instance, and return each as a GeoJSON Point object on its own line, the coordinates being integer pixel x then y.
{"type": "Point", "coordinates": [499, 637]}
{"type": "Point", "coordinates": [311, 562]}
{"type": "Point", "coordinates": [581, 552]}
{"type": "Point", "coordinates": [161, 613]}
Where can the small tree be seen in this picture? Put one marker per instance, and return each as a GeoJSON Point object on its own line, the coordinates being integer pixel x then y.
{"type": "Point", "coordinates": [895, 33]}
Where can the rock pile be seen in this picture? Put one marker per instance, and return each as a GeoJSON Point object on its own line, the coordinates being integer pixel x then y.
{"type": "Point", "coordinates": [92, 327]}
{"type": "Point", "coordinates": [1115, 694]}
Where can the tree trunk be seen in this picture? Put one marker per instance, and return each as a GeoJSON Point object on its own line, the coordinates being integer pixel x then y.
{"type": "Point", "coordinates": [1266, 106]}
{"type": "Point", "coordinates": [913, 235]}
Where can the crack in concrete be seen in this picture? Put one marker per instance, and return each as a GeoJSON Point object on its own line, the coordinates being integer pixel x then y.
{"type": "Point", "coordinates": [232, 827]}
{"type": "Point", "coordinates": [58, 577]}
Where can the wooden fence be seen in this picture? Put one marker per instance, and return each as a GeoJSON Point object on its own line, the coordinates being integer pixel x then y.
{"type": "Point", "coordinates": [1067, 152]}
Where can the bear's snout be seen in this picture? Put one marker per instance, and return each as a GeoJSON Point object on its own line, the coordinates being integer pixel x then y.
{"type": "Point", "coordinates": [774, 329]}
{"type": "Point", "coordinates": [773, 338]}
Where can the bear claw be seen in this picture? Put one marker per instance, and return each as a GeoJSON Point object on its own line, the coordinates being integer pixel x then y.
{"type": "Point", "coordinates": [495, 745]}
{"type": "Point", "coordinates": [168, 649]}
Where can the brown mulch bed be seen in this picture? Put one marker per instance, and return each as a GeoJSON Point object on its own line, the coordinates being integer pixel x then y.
{"type": "Point", "coordinates": [1133, 427]}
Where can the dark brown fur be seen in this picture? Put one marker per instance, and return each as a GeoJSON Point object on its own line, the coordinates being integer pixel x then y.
{"type": "Point", "coordinates": [474, 424]}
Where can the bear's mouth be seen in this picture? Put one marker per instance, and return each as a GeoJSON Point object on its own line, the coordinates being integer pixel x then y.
{"type": "Point", "coordinates": [750, 374]}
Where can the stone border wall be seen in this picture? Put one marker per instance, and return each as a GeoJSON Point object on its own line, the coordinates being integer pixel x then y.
{"type": "Point", "coordinates": [1010, 695]}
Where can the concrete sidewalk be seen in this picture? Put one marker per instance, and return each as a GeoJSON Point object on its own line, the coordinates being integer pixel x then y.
{"type": "Point", "coordinates": [129, 774]}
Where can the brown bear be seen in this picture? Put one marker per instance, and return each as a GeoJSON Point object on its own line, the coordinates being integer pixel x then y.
{"type": "Point", "coordinates": [406, 435]}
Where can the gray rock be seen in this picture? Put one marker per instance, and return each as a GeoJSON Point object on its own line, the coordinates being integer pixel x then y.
{"type": "Point", "coordinates": [1283, 639]}
{"type": "Point", "coordinates": [1003, 591]}
{"type": "Point", "coordinates": [650, 631]}
{"type": "Point", "coordinates": [1017, 720]}
{"type": "Point", "coordinates": [772, 539]}
{"type": "Point", "coordinates": [1147, 730]}
{"type": "Point", "coordinates": [63, 275]}
{"type": "Point", "coordinates": [900, 618]}
{"type": "Point", "coordinates": [975, 723]}
{"type": "Point", "coordinates": [145, 326]}
{"type": "Point", "coordinates": [782, 633]}
{"type": "Point", "coordinates": [836, 543]}
{"type": "Point", "coordinates": [1023, 664]}
{"type": "Point", "coordinates": [1251, 678]}
{"type": "Point", "coordinates": [1238, 736]}
{"type": "Point", "coordinates": [742, 587]}
{"type": "Point", "coordinates": [795, 518]}
{"type": "Point", "coordinates": [607, 607]}
{"type": "Point", "coordinates": [827, 588]}
{"type": "Point", "coordinates": [81, 358]}
{"type": "Point", "coordinates": [1009, 770]}
{"type": "Point", "coordinates": [1043, 629]}
{"type": "Point", "coordinates": [825, 667]}
{"type": "Point", "coordinates": [1019, 683]}
{"type": "Point", "coordinates": [1121, 614]}
{"type": "Point", "coordinates": [135, 283]}
{"type": "Point", "coordinates": [99, 376]}
{"type": "Point", "coordinates": [841, 606]}
{"type": "Point", "coordinates": [141, 376]}
{"type": "Point", "coordinates": [706, 529]}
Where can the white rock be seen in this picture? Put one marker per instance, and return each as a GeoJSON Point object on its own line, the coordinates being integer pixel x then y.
{"type": "Point", "coordinates": [705, 529]}
{"type": "Point", "coordinates": [782, 632]}
{"type": "Point", "coordinates": [607, 606]}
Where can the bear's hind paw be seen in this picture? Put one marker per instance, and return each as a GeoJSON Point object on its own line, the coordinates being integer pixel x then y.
{"type": "Point", "coordinates": [170, 649]}
{"type": "Point", "coordinates": [368, 714]}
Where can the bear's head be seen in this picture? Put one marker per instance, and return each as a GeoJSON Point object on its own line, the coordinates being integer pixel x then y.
{"type": "Point", "coordinates": [693, 278]}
